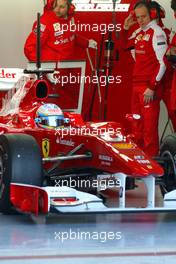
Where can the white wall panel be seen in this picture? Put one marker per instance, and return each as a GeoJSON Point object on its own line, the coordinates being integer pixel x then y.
{"type": "Point", "coordinates": [16, 19]}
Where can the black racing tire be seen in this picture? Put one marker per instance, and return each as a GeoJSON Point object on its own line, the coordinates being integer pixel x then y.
{"type": "Point", "coordinates": [168, 151]}
{"type": "Point", "coordinates": [20, 162]}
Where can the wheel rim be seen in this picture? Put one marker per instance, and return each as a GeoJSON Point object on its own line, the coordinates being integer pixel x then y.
{"type": "Point", "coordinates": [170, 170]}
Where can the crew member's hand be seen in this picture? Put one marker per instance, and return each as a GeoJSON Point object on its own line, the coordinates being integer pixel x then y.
{"type": "Point", "coordinates": [171, 56]}
{"type": "Point", "coordinates": [129, 21]}
{"type": "Point", "coordinates": [92, 44]}
{"type": "Point", "coordinates": [148, 95]}
{"type": "Point", "coordinates": [171, 51]}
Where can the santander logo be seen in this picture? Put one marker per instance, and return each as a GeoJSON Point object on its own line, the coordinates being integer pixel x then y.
{"type": "Point", "coordinates": [100, 6]}
{"type": "Point", "coordinates": [8, 75]}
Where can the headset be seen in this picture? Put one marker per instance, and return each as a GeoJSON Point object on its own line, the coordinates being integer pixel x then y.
{"type": "Point", "coordinates": [156, 11]}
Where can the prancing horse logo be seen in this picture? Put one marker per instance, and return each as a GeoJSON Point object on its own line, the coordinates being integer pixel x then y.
{"type": "Point", "coordinates": [45, 147]}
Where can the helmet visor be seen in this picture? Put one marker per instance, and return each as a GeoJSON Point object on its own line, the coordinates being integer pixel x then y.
{"type": "Point", "coordinates": [52, 121]}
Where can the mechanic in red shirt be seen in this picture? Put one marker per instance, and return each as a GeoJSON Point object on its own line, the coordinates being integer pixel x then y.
{"type": "Point", "coordinates": [150, 44]}
{"type": "Point", "coordinates": [167, 79]}
{"type": "Point", "coordinates": [57, 40]}
{"type": "Point", "coordinates": [171, 52]}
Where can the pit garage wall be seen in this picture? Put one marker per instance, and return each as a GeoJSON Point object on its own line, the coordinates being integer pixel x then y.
{"type": "Point", "coordinates": [16, 19]}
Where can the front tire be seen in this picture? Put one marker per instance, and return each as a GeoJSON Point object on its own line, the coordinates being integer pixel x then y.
{"type": "Point", "coordinates": [168, 152]}
{"type": "Point", "coordinates": [20, 162]}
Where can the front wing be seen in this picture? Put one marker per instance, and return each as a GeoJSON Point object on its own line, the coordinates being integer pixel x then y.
{"type": "Point", "coordinates": [43, 200]}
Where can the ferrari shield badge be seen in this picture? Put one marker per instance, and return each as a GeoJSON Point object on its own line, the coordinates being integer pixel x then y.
{"type": "Point", "coordinates": [45, 147]}
{"type": "Point", "coordinates": [56, 26]}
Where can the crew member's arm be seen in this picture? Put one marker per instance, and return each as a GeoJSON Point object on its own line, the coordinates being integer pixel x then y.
{"type": "Point", "coordinates": [160, 47]}
{"type": "Point", "coordinates": [159, 44]}
{"type": "Point", "coordinates": [130, 30]}
{"type": "Point", "coordinates": [30, 44]}
{"type": "Point", "coordinates": [82, 41]}
{"type": "Point", "coordinates": [171, 51]}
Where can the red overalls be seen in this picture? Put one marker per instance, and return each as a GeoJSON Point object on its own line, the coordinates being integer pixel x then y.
{"type": "Point", "coordinates": [149, 68]}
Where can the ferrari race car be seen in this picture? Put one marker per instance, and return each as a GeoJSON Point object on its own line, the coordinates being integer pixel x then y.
{"type": "Point", "coordinates": [51, 160]}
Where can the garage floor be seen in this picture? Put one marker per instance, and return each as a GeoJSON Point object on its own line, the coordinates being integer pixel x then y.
{"type": "Point", "coordinates": [144, 238]}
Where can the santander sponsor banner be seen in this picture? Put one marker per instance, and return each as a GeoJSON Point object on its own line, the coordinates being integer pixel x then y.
{"type": "Point", "coordinates": [100, 5]}
{"type": "Point", "coordinates": [9, 76]}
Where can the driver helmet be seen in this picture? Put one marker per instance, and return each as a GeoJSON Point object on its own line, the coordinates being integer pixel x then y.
{"type": "Point", "coordinates": [49, 116]}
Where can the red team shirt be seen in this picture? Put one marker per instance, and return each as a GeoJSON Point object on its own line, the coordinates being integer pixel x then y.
{"type": "Point", "coordinates": [150, 46]}
{"type": "Point", "coordinates": [58, 38]}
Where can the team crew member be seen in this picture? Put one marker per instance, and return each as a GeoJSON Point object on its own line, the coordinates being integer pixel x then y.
{"type": "Point", "coordinates": [172, 51]}
{"type": "Point", "coordinates": [57, 40]}
{"type": "Point", "coordinates": [159, 13]}
{"type": "Point", "coordinates": [167, 79]}
{"type": "Point", "coordinates": [150, 44]}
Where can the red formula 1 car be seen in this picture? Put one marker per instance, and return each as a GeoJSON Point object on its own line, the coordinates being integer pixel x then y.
{"type": "Point", "coordinates": [52, 162]}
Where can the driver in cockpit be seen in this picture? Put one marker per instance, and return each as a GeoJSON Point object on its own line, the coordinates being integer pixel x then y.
{"type": "Point", "coordinates": [49, 116]}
